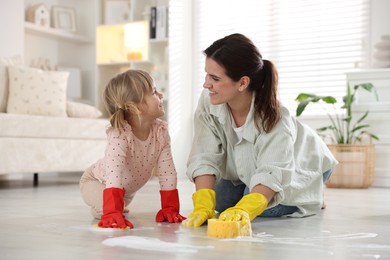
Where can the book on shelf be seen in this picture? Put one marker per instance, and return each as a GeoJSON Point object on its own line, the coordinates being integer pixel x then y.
{"type": "Point", "coordinates": [159, 22]}
{"type": "Point", "coordinates": [153, 12]}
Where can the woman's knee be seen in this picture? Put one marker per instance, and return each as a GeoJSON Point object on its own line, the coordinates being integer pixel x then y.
{"type": "Point", "coordinates": [227, 194]}
{"type": "Point", "coordinates": [326, 175]}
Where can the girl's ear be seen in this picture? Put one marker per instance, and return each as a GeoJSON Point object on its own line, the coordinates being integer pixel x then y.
{"type": "Point", "coordinates": [243, 83]}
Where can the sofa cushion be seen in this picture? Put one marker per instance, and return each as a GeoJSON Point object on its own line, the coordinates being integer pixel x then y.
{"type": "Point", "coordinates": [76, 109]}
{"type": "Point", "coordinates": [4, 63]}
{"type": "Point", "coordinates": [37, 92]}
{"type": "Point", "coordinates": [49, 127]}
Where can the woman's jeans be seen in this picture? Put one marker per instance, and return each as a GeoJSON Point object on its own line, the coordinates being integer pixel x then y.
{"type": "Point", "coordinates": [227, 195]}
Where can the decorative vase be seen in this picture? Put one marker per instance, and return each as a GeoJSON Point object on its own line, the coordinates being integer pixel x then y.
{"type": "Point", "coordinates": [356, 168]}
{"type": "Point", "coordinates": [382, 53]}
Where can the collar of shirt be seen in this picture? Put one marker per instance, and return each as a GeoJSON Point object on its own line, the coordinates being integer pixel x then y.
{"type": "Point", "coordinates": [222, 113]}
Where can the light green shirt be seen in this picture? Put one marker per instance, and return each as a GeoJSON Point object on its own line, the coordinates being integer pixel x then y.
{"type": "Point", "coordinates": [290, 160]}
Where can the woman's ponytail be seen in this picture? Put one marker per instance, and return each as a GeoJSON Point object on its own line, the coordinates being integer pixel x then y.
{"type": "Point", "coordinates": [267, 105]}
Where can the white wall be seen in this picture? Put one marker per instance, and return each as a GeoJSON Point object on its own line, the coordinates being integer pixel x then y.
{"type": "Point", "coordinates": [380, 24]}
{"type": "Point", "coordinates": [11, 28]}
{"type": "Point", "coordinates": [180, 89]}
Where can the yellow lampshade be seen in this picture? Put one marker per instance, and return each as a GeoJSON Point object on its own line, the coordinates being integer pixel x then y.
{"type": "Point", "coordinates": [136, 40]}
{"type": "Point", "coordinates": [122, 42]}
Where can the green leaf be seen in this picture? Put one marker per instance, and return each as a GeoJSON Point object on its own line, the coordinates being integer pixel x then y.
{"type": "Point", "coordinates": [340, 140]}
{"type": "Point", "coordinates": [322, 129]}
{"type": "Point", "coordinates": [358, 128]}
{"type": "Point", "coordinates": [301, 107]}
{"type": "Point", "coordinates": [367, 86]}
{"type": "Point", "coordinates": [329, 99]}
{"type": "Point", "coordinates": [347, 119]}
{"type": "Point", "coordinates": [362, 118]}
{"type": "Point", "coordinates": [371, 135]}
{"type": "Point", "coordinates": [303, 96]}
{"type": "Point", "coordinates": [304, 99]}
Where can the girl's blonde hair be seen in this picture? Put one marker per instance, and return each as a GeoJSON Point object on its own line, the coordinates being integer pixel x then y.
{"type": "Point", "coordinates": [122, 95]}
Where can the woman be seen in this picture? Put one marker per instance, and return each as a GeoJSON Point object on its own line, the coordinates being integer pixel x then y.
{"type": "Point", "coordinates": [249, 157]}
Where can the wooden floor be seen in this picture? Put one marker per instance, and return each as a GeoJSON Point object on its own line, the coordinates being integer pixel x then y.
{"type": "Point", "coordinates": [51, 222]}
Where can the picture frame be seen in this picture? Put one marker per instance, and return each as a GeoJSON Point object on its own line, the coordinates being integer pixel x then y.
{"type": "Point", "coordinates": [64, 18]}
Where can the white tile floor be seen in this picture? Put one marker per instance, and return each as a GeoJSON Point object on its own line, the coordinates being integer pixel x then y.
{"type": "Point", "coordinates": [52, 222]}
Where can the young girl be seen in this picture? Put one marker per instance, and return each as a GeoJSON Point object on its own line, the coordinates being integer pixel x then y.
{"type": "Point", "coordinates": [138, 142]}
{"type": "Point", "coordinates": [249, 157]}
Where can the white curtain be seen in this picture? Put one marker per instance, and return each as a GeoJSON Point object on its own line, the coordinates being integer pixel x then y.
{"type": "Point", "coordinates": [312, 42]}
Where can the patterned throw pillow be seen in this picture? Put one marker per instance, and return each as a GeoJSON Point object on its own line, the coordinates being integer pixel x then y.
{"type": "Point", "coordinates": [37, 92]}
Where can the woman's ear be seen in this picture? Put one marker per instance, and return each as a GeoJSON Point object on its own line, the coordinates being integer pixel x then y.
{"type": "Point", "coordinates": [244, 83]}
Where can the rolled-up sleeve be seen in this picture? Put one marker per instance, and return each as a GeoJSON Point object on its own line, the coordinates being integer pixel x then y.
{"type": "Point", "coordinates": [207, 154]}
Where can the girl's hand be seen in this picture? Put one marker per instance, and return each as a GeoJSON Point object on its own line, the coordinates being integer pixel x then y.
{"type": "Point", "coordinates": [113, 205]}
{"type": "Point", "coordinates": [170, 215]}
{"type": "Point", "coordinates": [114, 220]}
{"type": "Point", "coordinates": [170, 207]}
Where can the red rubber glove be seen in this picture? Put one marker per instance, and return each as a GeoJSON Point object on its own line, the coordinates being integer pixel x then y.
{"type": "Point", "coordinates": [113, 204]}
{"type": "Point", "coordinates": [170, 207]}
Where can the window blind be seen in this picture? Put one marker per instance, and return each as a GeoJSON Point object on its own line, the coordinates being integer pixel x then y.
{"type": "Point", "coordinates": [311, 42]}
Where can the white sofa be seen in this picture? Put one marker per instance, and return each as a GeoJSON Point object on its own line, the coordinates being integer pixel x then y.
{"type": "Point", "coordinates": [33, 143]}
{"type": "Point", "coordinates": [49, 144]}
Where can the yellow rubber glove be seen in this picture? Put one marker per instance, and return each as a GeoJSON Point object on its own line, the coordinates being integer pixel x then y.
{"type": "Point", "coordinates": [204, 206]}
{"type": "Point", "coordinates": [248, 208]}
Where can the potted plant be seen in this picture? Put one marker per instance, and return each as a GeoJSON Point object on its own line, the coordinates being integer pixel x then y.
{"type": "Point", "coordinates": [356, 160]}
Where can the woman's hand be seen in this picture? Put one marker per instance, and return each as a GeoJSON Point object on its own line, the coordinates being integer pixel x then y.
{"type": "Point", "coordinates": [248, 208]}
{"type": "Point", "coordinates": [204, 206]}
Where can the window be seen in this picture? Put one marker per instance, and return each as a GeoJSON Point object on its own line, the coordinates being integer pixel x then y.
{"type": "Point", "coordinates": [312, 43]}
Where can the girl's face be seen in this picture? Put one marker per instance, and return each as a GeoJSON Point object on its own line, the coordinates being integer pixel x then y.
{"type": "Point", "coordinates": [152, 105]}
{"type": "Point", "coordinates": [222, 89]}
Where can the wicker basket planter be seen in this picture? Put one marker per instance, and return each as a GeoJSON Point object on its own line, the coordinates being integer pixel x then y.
{"type": "Point", "coordinates": [356, 166]}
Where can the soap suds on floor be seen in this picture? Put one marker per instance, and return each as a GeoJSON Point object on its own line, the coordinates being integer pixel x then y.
{"type": "Point", "coordinates": [267, 238]}
{"type": "Point", "coordinates": [152, 244]}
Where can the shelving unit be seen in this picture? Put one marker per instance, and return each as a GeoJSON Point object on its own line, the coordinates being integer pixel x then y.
{"type": "Point", "coordinates": [129, 64]}
{"type": "Point", "coordinates": [56, 33]}
{"type": "Point", "coordinates": [66, 49]}
{"type": "Point", "coordinates": [113, 56]}
{"type": "Point", "coordinates": [156, 41]}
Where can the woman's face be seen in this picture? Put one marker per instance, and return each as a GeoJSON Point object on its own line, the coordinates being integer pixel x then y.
{"type": "Point", "coordinates": [222, 89]}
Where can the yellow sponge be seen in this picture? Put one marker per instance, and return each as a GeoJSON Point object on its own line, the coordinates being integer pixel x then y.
{"type": "Point", "coordinates": [228, 229]}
